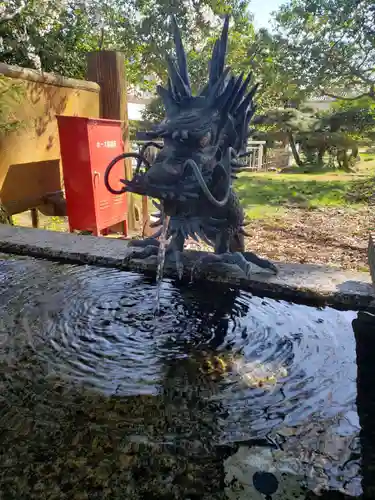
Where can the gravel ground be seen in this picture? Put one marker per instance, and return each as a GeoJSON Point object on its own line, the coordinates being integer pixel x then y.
{"type": "Point", "coordinates": [331, 236]}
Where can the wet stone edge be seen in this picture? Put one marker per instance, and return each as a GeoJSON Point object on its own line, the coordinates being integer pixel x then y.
{"type": "Point", "coordinates": [222, 275]}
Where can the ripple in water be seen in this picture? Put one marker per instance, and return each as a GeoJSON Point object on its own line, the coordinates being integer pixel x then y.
{"type": "Point", "coordinates": [97, 328]}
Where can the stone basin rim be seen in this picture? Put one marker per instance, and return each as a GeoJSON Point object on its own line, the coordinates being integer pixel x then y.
{"type": "Point", "coordinates": [315, 285]}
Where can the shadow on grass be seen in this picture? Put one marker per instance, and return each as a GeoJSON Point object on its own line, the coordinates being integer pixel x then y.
{"type": "Point", "coordinates": [280, 190]}
{"type": "Point", "coordinates": [311, 169]}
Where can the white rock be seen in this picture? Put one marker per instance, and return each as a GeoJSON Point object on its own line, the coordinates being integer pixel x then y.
{"type": "Point", "coordinates": [241, 467]}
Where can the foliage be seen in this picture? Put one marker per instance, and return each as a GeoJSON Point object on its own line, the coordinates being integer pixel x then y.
{"type": "Point", "coordinates": [357, 117]}
{"type": "Point", "coordinates": [335, 132]}
{"type": "Point", "coordinates": [277, 90]}
{"type": "Point", "coordinates": [55, 36]}
{"type": "Point", "coordinates": [52, 35]}
{"type": "Point", "coordinates": [329, 45]}
{"type": "Point", "coordinates": [154, 111]}
{"type": "Point", "coordinates": [11, 93]}
{"type": "Point", "coordinates": [285, 126]}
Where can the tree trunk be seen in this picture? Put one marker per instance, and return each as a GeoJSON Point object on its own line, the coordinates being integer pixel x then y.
{"type": "Point", "coordinates": [353, 156]}
{"type": "Point", "coordinates": [343, 161]}
{"type": "Point", "coordinates": [321, 154]}
{"type": "Point", "coordinates": [292, 144]}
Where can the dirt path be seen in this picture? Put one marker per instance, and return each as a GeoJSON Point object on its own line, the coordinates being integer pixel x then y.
{"type": "Point", "coordinates": [333, 236]}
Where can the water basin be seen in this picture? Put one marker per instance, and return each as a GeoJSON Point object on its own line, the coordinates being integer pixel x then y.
{"type": "Point", "coordinates": [103, 399]}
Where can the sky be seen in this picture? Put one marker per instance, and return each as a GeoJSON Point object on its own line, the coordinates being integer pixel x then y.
{"type": "Point", "coordinates": [261, 9]}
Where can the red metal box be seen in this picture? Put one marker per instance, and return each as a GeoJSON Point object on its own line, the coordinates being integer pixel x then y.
{"type": "Point", "coordinates": [87, 146]}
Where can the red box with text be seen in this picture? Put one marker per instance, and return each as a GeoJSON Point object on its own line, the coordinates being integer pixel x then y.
{"type": "Point", "coordinates": [87, 146]}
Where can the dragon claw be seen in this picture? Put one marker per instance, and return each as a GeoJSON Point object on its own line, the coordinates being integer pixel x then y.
{"type": "Point", "coordinates": [239, 260]}
{"type": "Point", "coordinates": [258, 261]}
{"type": "Point", "coordinates": [142, 249]}
{"type": "Point", "coordinates": [242, 260]}
{"type": "Point", "coordinates": [235, 258]}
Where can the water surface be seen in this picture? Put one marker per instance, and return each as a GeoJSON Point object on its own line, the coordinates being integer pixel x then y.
{"type": "Point", "coordinates": [100, 398]}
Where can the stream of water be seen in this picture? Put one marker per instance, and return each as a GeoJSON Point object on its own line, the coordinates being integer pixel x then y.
{"type": "Point", "coordinates": [161, 261]}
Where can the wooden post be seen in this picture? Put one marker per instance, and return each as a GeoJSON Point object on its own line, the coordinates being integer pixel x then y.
{"type": "Point", "coordinates": [107, 68]}
{"type": "Point", "coordinates": [34, 217]}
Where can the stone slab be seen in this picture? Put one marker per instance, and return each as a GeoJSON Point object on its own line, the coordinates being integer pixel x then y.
{"type": "Point", "coordinates": [319, 285]}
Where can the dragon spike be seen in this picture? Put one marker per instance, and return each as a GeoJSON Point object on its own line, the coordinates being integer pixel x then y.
{"type": "Point", "coordinates": [246, 102]}
{"type": "Point", "coordinates": [233, 94]}
{"type": "Point", "coordinates": [254, 89]}
{"type": "Point", "coordinates": [223, 45]}
{"type": "Point", "coordinates": [242, 132]}
{"type": "Point", "coordinates": [168, 101]}
{"type": "Point", "coordinates": [246, 134]}
{"type": "Point", "coordinates": [176, 79]}
{"type": "Point", "coordinates": [217, 87]}
{"type": "Point", "coordinates": [204, 90]}
{"type": "Point", "coordinates": [194, 229]}
{"type": "Point", "coordinates": [180, 52]}
{"type": "Point", "coordinates": [201, 234]}
{"type": "Point", "coordinates": [157, 233]}
{"type": "Point", "coordinates": [226, 95]}
{"type": "Point", "coordinates": [212, 65]}
{"type": "Point", "coordinates": [245, 233]}
{"type": "Point", "coordinates": [218, 54]}
{"type": "Point", "coordinates": [157, 204]}
{"type": "Point", "coordinates": [171, 89]}
{"type": "Point", "coordinates": [241, 92]}
{"type": "Point", "coordinates": [156, 224]}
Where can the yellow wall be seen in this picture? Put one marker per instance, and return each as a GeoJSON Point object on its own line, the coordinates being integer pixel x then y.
{"type": "Point", "coordinates": [30, 155]}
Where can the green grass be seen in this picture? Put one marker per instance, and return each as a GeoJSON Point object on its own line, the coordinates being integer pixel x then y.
{"type": "Point", "coordinates": [268, 194]}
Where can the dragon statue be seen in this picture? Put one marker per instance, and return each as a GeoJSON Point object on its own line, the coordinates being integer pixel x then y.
{"type": "Point", "coordinates": [204, 143]}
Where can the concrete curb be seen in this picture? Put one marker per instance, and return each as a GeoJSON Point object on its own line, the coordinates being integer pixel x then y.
{"type": "Point", "coordinates": [318, 285]}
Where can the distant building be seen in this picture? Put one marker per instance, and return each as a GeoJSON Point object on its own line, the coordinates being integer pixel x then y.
{"type": "Point", "coordinates": [137, 101]}
{"type": "Point", "coordinates": [321, 103]}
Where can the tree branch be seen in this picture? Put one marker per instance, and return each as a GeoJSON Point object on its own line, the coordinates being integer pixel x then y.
{"type": "Point", "coordinates": [342, 98]}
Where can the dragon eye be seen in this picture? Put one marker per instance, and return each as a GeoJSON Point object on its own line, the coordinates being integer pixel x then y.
{"type": "Point", "coordinates": [205, 140]}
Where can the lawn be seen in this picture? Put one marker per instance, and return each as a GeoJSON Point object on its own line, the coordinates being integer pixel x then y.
{"type": "Point", "coordinates": [263, 194]}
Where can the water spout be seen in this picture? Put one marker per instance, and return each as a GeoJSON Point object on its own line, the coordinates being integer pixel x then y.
{"type": "Point", "coordinates": [161, 260]}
